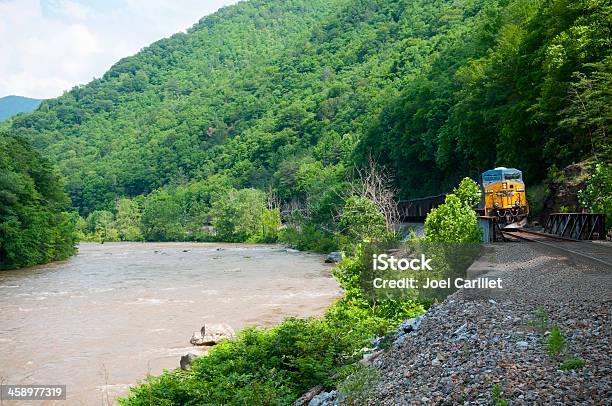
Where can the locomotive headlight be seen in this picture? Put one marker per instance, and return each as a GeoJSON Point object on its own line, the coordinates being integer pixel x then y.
{"type": "Point", "coordinates": [517, 203]}
{"type": "Point", "coordinates": [496, 204]}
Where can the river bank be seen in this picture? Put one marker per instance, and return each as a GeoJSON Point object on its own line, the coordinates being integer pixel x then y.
{"type": "Point", "coordinates": [102, 320]}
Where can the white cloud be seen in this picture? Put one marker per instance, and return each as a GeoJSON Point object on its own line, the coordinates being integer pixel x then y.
{"type": "Point", "coordinates": [49, 46]}
{"type": "Point", "coordinates": [70, 9]}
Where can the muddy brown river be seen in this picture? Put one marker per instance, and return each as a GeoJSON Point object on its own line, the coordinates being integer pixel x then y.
{"type": "Point", "coordinates": [115, 312]}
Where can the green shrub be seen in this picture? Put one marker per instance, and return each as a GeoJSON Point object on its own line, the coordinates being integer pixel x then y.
{"type": "Point", "coordinates": [127, 220]}
{"type": "Point", "coordinates": [468, 192]}
{"type": "Point", "coordinates": [101, 226]}
{"type": "Point", "coordinates": [355, 388]}
{"type": "Point", "coordinates": [540, 320]}
{"type": "Point", "coordinates": [349, 274]}
{"type": "Point", "coordinates": [308, 236]}
{"type": "Point", "coordinates": [455, 220]}
{"type": "Point", "coordinates": [572, 363]}
{"type": "Point", "coordinates": [556, 342]}
{"type": "Point", "coordinates": [270, 226]}
{"type": "Point", "coordinates": [262, 367]}
{"type": "Point", "coordinates": [362, 220]}
{"type": "Point", "coordinates": [597, 194]}
{"type": "Point", "coordinates": [162, 217]}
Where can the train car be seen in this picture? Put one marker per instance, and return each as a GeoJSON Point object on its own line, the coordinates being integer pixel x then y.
{"type": "Point", "coordinates": [504, 195]}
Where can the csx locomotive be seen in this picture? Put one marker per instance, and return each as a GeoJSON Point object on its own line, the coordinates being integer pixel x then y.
{"type": "Point", "coordinates": [504, 195]}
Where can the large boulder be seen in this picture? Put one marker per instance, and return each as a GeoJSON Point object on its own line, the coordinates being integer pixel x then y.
{"type": "Point", "coordinates": [211, 334]}
{"type": "Point", "coordinates": [186, 361]}
{"type": "Point", "coordinates": [333, 257]}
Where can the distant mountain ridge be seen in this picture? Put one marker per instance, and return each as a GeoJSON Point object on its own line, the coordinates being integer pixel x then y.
{"type": "Point", "coordinates": [10, 105]}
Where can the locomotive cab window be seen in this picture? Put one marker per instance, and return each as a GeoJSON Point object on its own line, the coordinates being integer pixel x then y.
{"type": "Point", "coordinates": [512, 176]}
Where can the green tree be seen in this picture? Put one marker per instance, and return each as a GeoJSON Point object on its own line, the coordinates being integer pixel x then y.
{"type": "Point", "coordinates": [270, 225]}
{"type": "Point", "coordinates": [127, 220]}
{"type": "Point", "coordinates": [101, 225]}
{"type": "Point", "coordinates": [162, 218]}
{"type": "Point", "coordinates": [34, 228]}
{"type": "Point", "coordinates": [361, 220]}
{"type": "Point", "coordinates": [237, 215]}
{"type": "Point", "coordinates": [455, 220]}
{"type": "Point", "coordinates": [597, 194]}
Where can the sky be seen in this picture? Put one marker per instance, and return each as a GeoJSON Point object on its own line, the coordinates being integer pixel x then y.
{"type": "Point", "coordinates": [49, 46]}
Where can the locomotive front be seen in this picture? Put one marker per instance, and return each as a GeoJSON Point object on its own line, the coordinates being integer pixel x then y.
{"type": "Point", "coordinates": [504, 195]}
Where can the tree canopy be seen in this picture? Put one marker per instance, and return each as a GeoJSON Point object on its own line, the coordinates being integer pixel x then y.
{"type": "Point", "coordinates": [34, 228]}
{"type": "Point", "coordinates": [288, 97]}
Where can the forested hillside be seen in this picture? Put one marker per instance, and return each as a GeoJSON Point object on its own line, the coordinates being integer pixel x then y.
{"type": "Point", "coordinates": [34, 228]}
{"type": "Point", "coordinates": [287, 96]}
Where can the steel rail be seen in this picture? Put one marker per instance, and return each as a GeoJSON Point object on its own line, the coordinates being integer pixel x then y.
{"type": "Point", "coordinates": [589, 258]}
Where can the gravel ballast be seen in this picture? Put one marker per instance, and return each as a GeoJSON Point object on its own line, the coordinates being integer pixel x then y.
{"type": "Point", "coordinates": [470, 343]}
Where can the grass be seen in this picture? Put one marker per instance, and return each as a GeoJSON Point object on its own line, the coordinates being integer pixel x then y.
{"type": "Point", "coordinates": [496, 396]}
{"type": "Point", "coordinates": [555, 342]}
{"type": "Point", "coordinates": [356, 387]}
{"type": "Point", "coordinates": [540, 320]}
{"type": "Point", "coordinates": [572, 363]}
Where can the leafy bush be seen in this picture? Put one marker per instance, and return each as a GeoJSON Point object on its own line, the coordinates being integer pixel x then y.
{"type": "Point", "coordinates": [468, 192]}
{"type": "Point", "coordinates": [597, 195]}
{"type": "Point", "coordinates": [349, 274]}
{"type": "Point", "coordinates": [355, 388]}
{"type": "Point", "coordinates": [127, 220]}
{"type": "Point", "coordinates": [455, 220]}
{"type": "Point", "coordinates": [305, 235]}
{"type": "Point", "coordinates": [361, 220]}
{"type": "Point", "coordinates": [266, 367]}
{"type": "Point", "coordinates": [100, 226]}
{"type": "Point", "coordinates": [270, 226]}
{"type": "Point", "coordinates": [572, 363]}
{"type": "Point", "coordinates": [162, 218]}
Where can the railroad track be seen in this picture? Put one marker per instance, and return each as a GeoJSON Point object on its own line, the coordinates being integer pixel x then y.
{"type": "Point", "coordinates": [586, 251]}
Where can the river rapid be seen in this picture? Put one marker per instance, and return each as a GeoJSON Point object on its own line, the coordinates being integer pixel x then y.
{"type": "Point", "coordinates": [115, 312]}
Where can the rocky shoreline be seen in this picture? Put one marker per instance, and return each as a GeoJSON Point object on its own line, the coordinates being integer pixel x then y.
{"type": "Point", "coordinates": [495, 347]}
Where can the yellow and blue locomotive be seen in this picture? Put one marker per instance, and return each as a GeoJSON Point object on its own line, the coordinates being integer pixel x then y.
{"type": "Point", "coordinates": [504, 195]}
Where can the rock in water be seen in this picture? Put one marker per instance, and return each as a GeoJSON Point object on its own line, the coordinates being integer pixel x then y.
{"type": "Point", "coordinates": [186, 360]}
{"type": "Point", "coordinates": [211, 334]}
{"type": "Point", "coordinates": [197, 338]}
{"type": "Point", "coordinates": [334, 257]}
